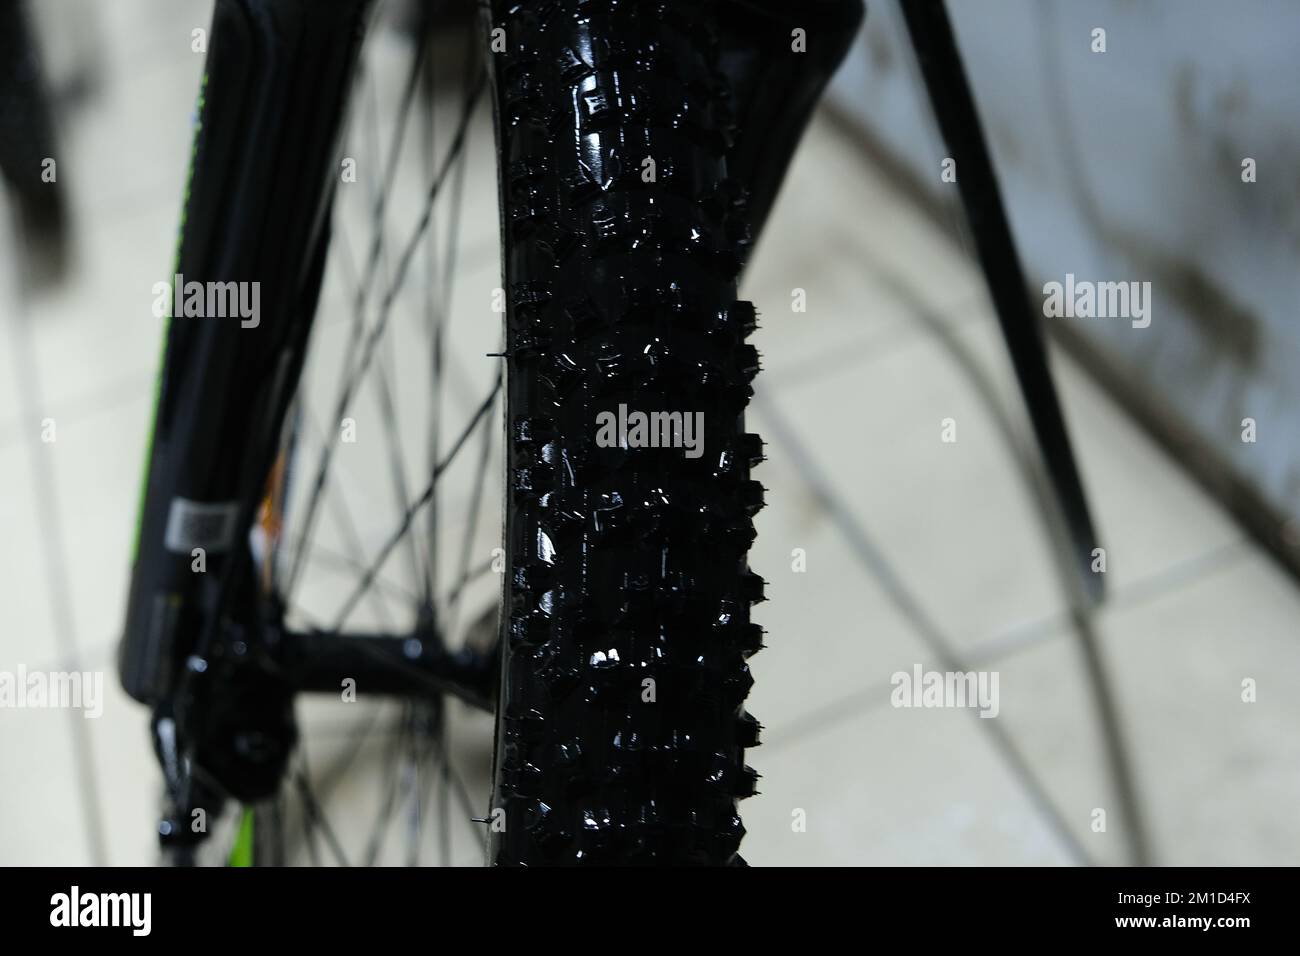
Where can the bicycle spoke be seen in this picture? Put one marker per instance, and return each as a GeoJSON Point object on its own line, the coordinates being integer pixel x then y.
{"type": "Point", "coordinates": [396, 459]}
{"type": "Point", "coordinates": [353, 544]}
{"type": "Point", "coordinates": [352, 540]}
{"type": "Point", "coordinates": [356, 334]}
{"type": "Point", "coordinates": [444, 799]}
{"type": "Point", "coordinates": [275, 813]}
{"type": "Point", "coordinates": [374, 845]}
{"type": "Point", "coordinates": [447, 274]}
{"type": "Point", "coordinates": [413, 510]}
{"type": "Point", "coordinates": [391, 432]}
{"type": "Point", "coordinates": [468, 578]}
{"type": "Point", "coordinates": [307, 620]}
{"type": "Point", "coordinates": [444, 280]}
{"type": "Point", "coordinates": [337, 561]}
{"type": "Point", "coordinates": [431, 529]}
{"type": "Point", "coordinates": [351, 376]}
{"type": "Point", "coordinates": [412, 244]}
{"type": "Point", "coordinates": [337, 771]}
{"type": "Point", "coordinates": [416, 759]}
{"type": "Point", "coordinates": [383, 389]}
{"type": "Point", "coordinates": [317, 818]}
{"type": "Point", "coordinates": [462, 797]}
{"type": "Point", "coordinates": [435, 319]}
{"type": "Point", "coordinates": [379, 196]}
{"type": "Point", "coordinates": [309, 839]}
{"type": "Point", "coordinates": [471, 528]}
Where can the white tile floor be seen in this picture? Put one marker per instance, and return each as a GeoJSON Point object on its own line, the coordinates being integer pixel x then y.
{"type": "Point", "coordinates": [906, 538]}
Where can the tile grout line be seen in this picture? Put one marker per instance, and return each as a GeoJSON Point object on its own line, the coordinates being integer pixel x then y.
{"type": "Point", "coordinates": [869, 555]}
{"type": "Point", "coordinates": [85, 405]}
{"type": "Point", "coordinates": [858, 354]}
{"type": "Point", "coordinates": [1157, 584]}
{"type": "Point", "coordinates": [58, 585]}
{"type": "Point", "coordinates": [1011, 642]}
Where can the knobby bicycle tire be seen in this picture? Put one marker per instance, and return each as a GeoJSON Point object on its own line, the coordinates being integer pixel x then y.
{"type": "Point", "coordinates": [626, 625]}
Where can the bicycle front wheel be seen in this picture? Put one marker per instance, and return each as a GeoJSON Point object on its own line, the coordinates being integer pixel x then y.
{"type": "Point", "coordinates": [620, 727]}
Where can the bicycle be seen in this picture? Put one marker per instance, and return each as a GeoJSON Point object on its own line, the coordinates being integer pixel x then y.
{"type": "Point", "coordinates": [640, 145]}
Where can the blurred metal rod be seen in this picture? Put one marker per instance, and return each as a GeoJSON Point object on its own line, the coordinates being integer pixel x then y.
{"type": "Point", "coordinates": [954, 108]}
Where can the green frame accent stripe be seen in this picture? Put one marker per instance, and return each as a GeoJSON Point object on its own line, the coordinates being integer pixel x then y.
{"type": "Point", "coordinates": [167, 320]}
{"type": "Point", "coordinates": [241, 853]}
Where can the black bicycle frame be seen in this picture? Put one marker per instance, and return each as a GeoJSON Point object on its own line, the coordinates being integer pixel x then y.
{"type": "Point", "coordinates": [260, 183]}
{"type": "Point", "coordinates": [202, 644]}
{"type": "Point", "coordinates": [206, 649]}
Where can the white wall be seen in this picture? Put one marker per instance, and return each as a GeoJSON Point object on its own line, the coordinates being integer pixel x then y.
{"type": "Point", "coordinates": [1127, 165]}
